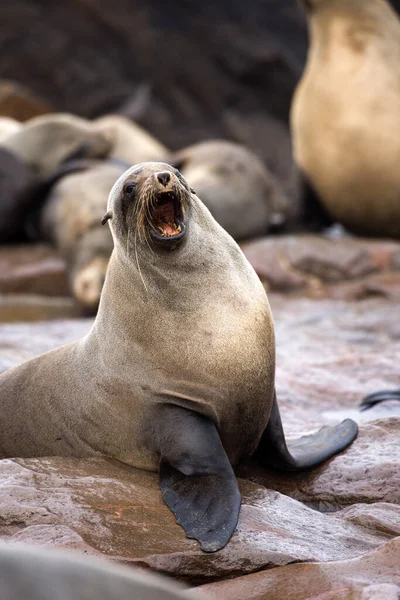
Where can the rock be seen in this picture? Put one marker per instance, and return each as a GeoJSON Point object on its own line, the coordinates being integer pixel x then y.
{"type": "Point", "coordinates": [22, 341]}
{"type": "Point", "coordinates": [330, 354]}
{"type": "Point", "coordinates": [322, 267]}
{"type": "Point", "coordinates": [101, 507]}
{"type": "Point", "coordinates": [375, 576]}
{"type": "Point", "coordinates": [241, 65]}
{"type": "Point", "coordinates": [23, 307]}
{"type": "Point", "coordinates": [20, 103]}
{"type": "Point", "coordinates": [368, 471]}
{"type": "Point", "coordinates": [32, 270]}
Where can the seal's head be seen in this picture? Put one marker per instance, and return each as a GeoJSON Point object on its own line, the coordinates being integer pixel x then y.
{"type": "Point", "coordinates": [150, 203]}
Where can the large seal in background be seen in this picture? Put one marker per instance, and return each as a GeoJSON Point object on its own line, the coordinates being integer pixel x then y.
{"type": "Point", "coordinates": [177, 373]}
{"type": "Point", "coordinates": [345, 116]}
{"type": "Point", "coordinates": [238, 189]}
{"type": "Point", "coordinates": [45, 142]}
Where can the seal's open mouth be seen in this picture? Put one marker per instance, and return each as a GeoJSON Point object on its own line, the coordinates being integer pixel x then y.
{"type": "Point", "coordinates": [166, 217]}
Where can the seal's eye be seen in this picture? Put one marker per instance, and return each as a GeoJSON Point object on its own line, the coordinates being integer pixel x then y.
{"type": "Point", "coordinates": [130, 189]}
{"type": "Point", "coordinates": [179, 176]}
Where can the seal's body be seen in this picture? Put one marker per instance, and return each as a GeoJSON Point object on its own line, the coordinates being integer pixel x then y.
{"type": "Point", "coordinates": [346, 113]}
{"type": "Point", "coordinates": [241, 193]}
{"type": "Point", "coordinates": [70, 219]}
{"type": "Point", "coordinates": [177, 372]}
{"type": "Point", "coordinates": [8, 127]}
{"type": "Point", "coordinates": [45, 142]}
{"type": "Point", "coordinates": [132, 144]}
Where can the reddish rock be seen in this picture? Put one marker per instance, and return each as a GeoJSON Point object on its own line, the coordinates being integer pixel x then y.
{"type": "Point", "coordinates": [321, 267]}
{"type": "Point", "coordinates": [21, 341]}
{"type": "Point", "coordinates": [368, 471]}
{"type": "Point", "coordinates": [375, 576]}
{"type": "Point", "coordinates": [19, 307]}
{"type": "Point", "coordinates": [32, 270]}
{"type": "Point", "coordinates": [102, 507]}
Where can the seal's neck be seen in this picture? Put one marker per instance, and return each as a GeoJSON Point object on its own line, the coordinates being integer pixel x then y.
{"type": "Point", "coordinates": [155, 293]}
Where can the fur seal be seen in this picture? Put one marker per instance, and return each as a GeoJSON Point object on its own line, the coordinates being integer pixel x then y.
{"type": "Point", "coordinates": [31, 573]}
{"type": "Point", "coordinates": [238, 189]}
{"type": "Point", "coordinates": [47, 141]}
{"type": "Point", "coordinates": [70, 219]}
{"type": "Point", "coordinates": [346, 113]}
{"type": "Point", "coordinates": [177, 373]}
{"type": "Point", "coordinates": [8, 127]}
{"type": "Point", "coordinates": [132, 143]}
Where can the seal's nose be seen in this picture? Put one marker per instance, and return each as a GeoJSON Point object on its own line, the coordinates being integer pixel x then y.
{"type": "Point", "coordinates": [164, 177]}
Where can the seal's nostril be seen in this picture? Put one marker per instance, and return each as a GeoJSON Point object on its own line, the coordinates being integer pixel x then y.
{"type": "Point", "coordinates": [164, 177]}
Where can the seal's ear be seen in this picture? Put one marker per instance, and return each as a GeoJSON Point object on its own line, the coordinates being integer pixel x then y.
{"type": "Point", "coordinates": [107, 216]}
{"type": "Point", "coordinates": [192, 191]}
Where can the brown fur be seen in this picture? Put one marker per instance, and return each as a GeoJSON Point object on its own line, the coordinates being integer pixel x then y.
{"type": "Point", "coordinates": [189, 326]}
{"type": "Point", "coordinates": [132, 143]}
{"type": "Point", "coordinates": [345, 115]}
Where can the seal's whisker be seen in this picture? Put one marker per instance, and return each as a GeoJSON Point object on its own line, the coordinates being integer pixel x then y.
{"type": "Point", "coordinates": [138, 265]}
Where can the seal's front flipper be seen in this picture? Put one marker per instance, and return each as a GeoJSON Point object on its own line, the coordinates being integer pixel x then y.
{"type": "Point", "coordinates": [196, 478]}
{"type": "Point", "coordinates": [383, 396]}
{"type": "Point", "coordinates": [306, 452]}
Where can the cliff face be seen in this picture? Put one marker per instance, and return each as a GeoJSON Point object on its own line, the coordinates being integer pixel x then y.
{"type": "Point", "coordinates": [186, 71]}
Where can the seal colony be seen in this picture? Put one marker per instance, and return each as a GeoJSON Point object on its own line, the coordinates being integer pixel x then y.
{"type": "Point", "coordinates": [177, 372]}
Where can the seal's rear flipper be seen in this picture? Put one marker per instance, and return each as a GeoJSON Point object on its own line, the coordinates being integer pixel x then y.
{"type": "Point", "coordinates": [383, 396]}
{"type": "Point", "coordinates": [196, 478]}
{"type": "Point", "coordinates": [306, 452]}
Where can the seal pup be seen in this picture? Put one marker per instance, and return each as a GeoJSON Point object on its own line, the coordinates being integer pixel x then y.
{"type": "Point", "coordinates": [177, 372]}
{"type": "Point", "coordinates": [32, 573]}
{"type": "Point", "coordinates": [238, 189]}
{"type": "Point", "coordinates": [133, 144]}
{"type": "Point", "coordinates": [47, 141]}
{"type": "Point", "coordinates": [346, 113]}
{"type": "Point", "coordinates": [70, 219]}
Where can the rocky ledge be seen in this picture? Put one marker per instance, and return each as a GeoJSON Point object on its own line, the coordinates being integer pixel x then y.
{"type": "Point", "coordinates": [343, 517]}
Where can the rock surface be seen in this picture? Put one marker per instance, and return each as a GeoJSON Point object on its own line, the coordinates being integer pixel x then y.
{"type": "Point", "coordinates": [329, 355]}
{"type": "Point", "coordinates": [317, 266]}
{"type": "Point", "coordinates": [32, 270]}
{"type": "Point", "coordinates": [101, 507]}
{"type": "Point", "coordinates": [313, 266]}
{"type": "Point", "coordinates": [367, 472]}
{"type": "Point", "coordinates": [375, 576]}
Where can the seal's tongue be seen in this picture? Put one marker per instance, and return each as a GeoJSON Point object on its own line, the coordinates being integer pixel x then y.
{"type": "Point", "coordinates": [164, 219]}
